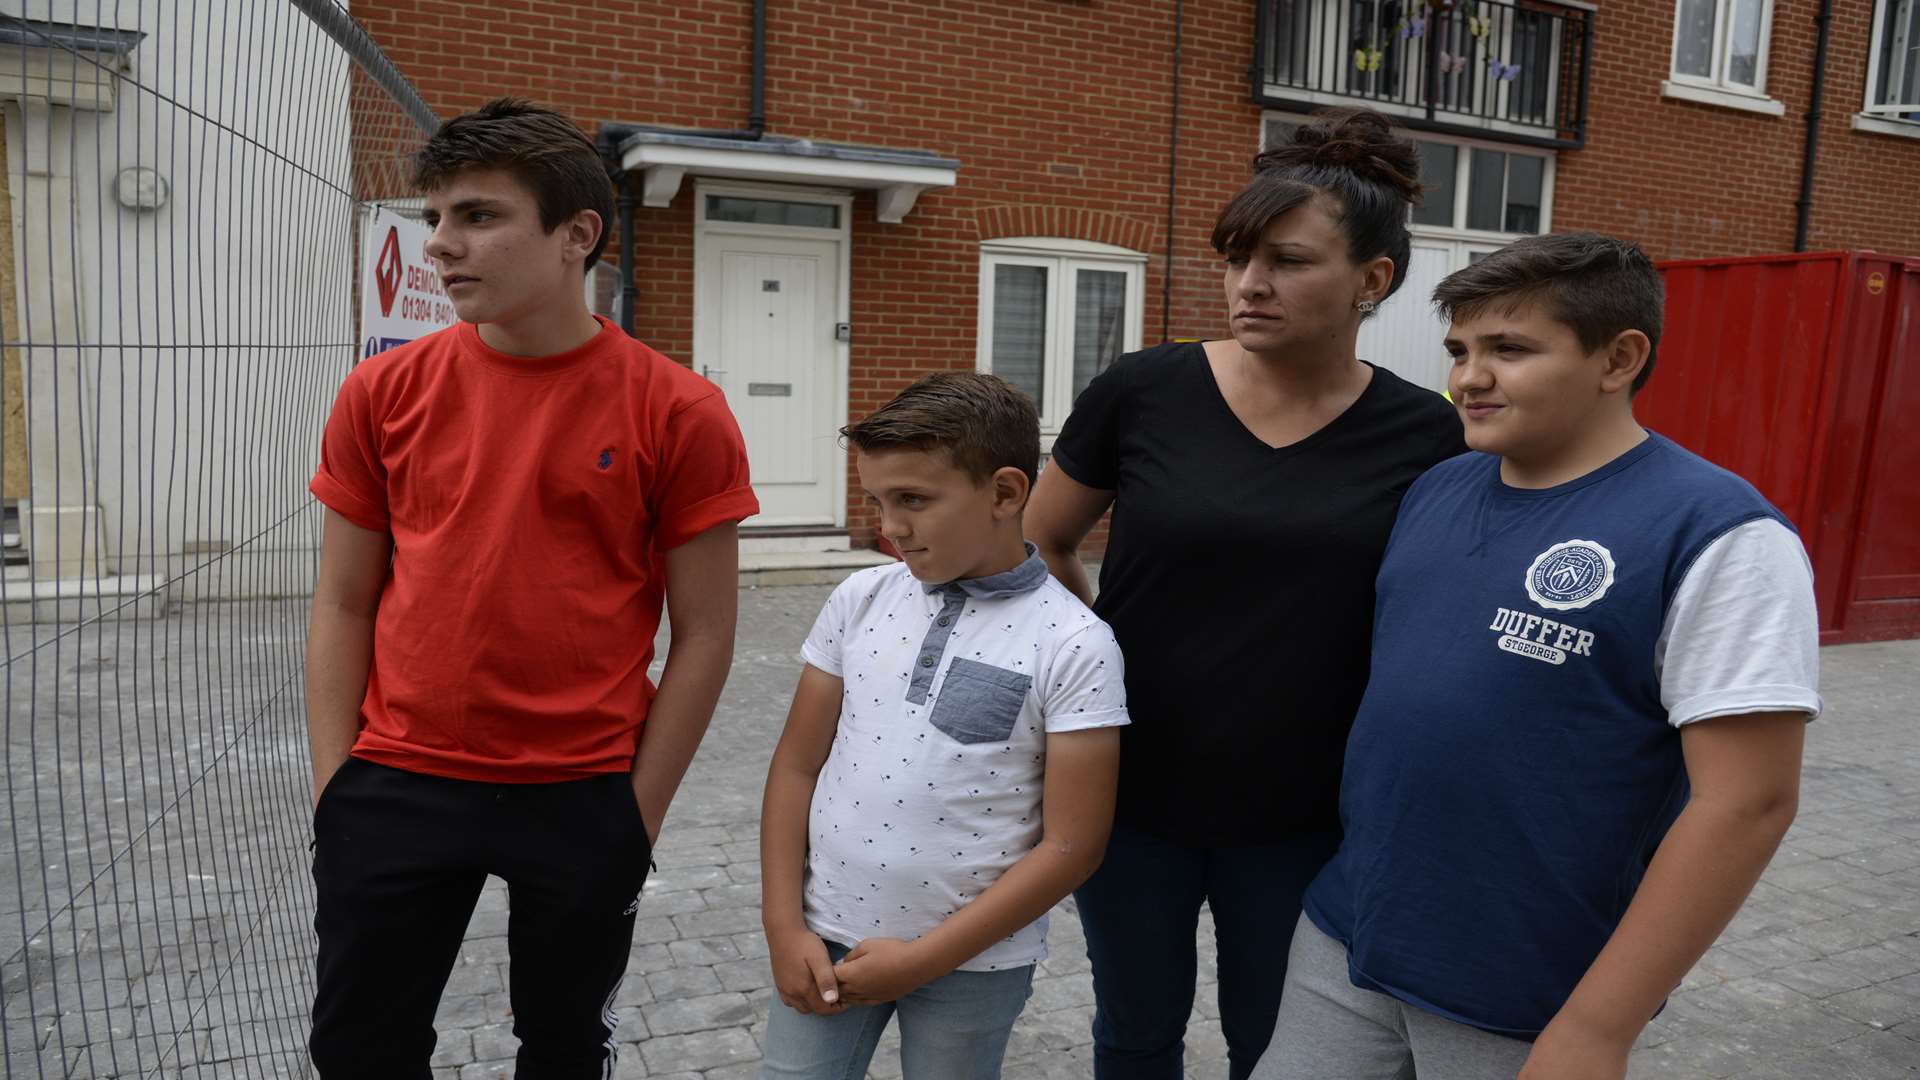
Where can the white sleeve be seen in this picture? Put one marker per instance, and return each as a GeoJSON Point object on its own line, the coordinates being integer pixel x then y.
{"type": "Point", "coordinates": [824, 643]}
{"type": "Point", "coordinates": [1086, 684]}
{"type": "Point", "coordinates": [1741, 635]}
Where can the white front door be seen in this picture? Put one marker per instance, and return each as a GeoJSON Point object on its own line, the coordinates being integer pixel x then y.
{"type": "Point", "coordinates": [1405, 336]}
{"type": "Point", "coordinates": [765, 314]}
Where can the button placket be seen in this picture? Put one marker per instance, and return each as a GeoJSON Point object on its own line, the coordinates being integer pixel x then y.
{"type": "Point", "coordinates": [934, 645]}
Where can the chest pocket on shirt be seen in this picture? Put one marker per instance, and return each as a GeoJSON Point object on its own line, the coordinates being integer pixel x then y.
{"type": "Point", "coordinates": [979, 702]}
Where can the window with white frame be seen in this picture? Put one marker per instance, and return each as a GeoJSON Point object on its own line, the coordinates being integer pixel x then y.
{"type": "Point", "coordinates": [1054, 313]}
{"type": "Point", "coordinates": [1474, 186]}
{"type": "Point", "coordinates": [1722, 44]}
{"type": "Point", "coordinates": [1893, 67]}
{"type": "Point", "coordinates": [1482, 189]}
{"type": "Point", "coordinates": [1276, 130]}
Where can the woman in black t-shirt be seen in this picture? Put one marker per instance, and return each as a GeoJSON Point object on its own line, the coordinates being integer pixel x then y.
{"type": "Point", "coordinates": [1253, 483]}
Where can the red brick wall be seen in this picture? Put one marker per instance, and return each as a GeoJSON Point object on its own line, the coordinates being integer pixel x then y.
{"type": "Point", "coordinates": [1687, 180]}
{"type": "Point", "coordinates": [1058, 111]}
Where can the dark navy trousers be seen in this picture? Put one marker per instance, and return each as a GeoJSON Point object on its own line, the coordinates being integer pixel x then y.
{"type": "Point", "coordinates": [1141, 910]}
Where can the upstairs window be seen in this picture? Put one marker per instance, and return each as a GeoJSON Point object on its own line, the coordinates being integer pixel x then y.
{"type": "Point", "coordinates": [1720, 53]}
{"type": "Point", "coordinates": [1893, 65]}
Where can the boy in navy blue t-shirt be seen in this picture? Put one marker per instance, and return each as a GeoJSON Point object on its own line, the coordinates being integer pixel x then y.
{"type": "Point", "coordinates": [1594, 656]}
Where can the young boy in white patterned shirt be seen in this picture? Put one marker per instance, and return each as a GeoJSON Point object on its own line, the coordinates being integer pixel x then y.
{"type": "Point", "coordinates": [908, 856]}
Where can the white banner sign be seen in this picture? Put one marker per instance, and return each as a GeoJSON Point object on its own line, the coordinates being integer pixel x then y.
{"type": "Point", "coordinates": [400, 294]}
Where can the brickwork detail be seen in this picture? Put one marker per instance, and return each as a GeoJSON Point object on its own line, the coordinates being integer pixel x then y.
{"type": "Point", "coordinates": [1059, 113]}
{"type": "Point", "coordinates": [1101, 227]}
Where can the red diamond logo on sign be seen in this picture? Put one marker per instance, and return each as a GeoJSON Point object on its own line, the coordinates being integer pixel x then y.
{"type": "Point", "coordinates": [386, 272]}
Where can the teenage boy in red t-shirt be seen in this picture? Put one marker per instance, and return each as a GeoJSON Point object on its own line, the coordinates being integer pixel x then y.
{"type": "Point", "coordinates": [508, 503]}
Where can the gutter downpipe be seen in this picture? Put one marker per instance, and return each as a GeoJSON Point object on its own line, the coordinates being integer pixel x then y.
{"type": "Point", "coordinates": [1173, 173]}
{"type": "Point", "coordinates": [629, 291]}
{"type": "Point", "coordinates": [611, 135]}
{"type": "Point", "coordinates": [757, 104]}
{"type": "Point", "coordinates": [1803, 206]}
{"type": "Point", "coordinates": [1586, 80]}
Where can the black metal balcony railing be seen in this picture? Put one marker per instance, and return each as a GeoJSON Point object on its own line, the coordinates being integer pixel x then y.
{"type": "Point", "coordinates": [1515, 72]}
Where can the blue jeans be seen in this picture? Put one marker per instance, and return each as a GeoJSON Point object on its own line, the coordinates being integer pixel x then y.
{"type": "Point", "coordinates": [1141, 910]}
{"type": "Point", "coordinates": [954, 1028]}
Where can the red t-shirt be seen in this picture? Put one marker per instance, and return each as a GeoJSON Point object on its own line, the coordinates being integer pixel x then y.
{"type": "Point", "coordinates": [530, 501]}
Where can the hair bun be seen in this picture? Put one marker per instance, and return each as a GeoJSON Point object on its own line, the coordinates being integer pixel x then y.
{"type": "Point", "coordinates": [1359, 141]}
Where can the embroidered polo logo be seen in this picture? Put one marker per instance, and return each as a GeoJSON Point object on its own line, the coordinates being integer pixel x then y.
{"type": "Point", "coordinates": [606, 459]}
{"type": "Point", "coordinates": [1570, 575]}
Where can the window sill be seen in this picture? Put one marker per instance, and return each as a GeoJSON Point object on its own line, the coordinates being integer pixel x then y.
{"type": "Point", "coordinates": [1909, 129]}
{"type": "Point", "coordinates": [1726, 99]}
{"type": "Point", "coordinates": [1450, 233]}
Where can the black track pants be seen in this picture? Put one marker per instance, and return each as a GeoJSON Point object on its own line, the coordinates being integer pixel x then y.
{"type": "Point", "coordinates": [399, 861]}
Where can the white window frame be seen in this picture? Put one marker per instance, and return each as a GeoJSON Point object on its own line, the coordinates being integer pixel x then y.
{"type": "Point", "coordinates": [1462, 177]}
{"type": "Point", "coordinates": [1885, 116]}
{"type": "Point", "coordinates": [1063, 258]}
{"type": "Point", "coordinates": [1715, 88]}
{"type": "Point", "coordinates": [1462, 174]}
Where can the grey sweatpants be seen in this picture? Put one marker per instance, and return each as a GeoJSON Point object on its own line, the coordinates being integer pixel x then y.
{"type": "Point", "coordinates": [1331, 1028]}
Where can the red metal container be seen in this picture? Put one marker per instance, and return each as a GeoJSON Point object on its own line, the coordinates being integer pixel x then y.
{"type": "Point", "coordinates": [1802, 374]}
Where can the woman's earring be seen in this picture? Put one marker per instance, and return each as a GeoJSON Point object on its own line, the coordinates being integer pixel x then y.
{"type": "Point", "coordinates": [1364, 307]}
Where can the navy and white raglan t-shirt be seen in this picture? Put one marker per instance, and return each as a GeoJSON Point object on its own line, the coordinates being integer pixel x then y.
{"type": "Point", "coordinates": [1516, 758]}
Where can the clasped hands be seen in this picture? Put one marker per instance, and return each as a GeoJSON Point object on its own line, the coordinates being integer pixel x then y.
{"type": "Point", "coordinates": [875, 971]}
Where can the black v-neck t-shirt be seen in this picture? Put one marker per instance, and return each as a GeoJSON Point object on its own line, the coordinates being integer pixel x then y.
{"type": "Point", "coordinates": [1238, 579]}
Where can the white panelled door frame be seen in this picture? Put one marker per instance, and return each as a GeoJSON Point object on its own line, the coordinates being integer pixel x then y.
{"type": "Point", "coordinates": [1460, 243]}
{"type": "Point", "coordinates": [1412, 306]}
{"type": "Point", "coordinates": [705, 265]}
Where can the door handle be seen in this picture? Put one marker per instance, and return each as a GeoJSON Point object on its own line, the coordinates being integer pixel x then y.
{"type": "Point", "coordinates": [709, 372]}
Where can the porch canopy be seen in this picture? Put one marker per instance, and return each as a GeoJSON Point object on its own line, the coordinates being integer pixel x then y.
{"type": "Point", "coordinates": [663, 158]}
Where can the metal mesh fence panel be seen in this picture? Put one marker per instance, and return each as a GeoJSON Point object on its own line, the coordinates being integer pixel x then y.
{"type": "Point", "coordinates": [185, 183]}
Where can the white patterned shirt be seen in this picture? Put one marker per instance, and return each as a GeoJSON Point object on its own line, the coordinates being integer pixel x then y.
{"type": "Point", "coordinates": [933, 786]}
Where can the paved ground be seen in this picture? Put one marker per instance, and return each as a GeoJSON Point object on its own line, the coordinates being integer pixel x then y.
{"type": "Point", "coordinates": [1818, 977]}
{"type": "Point", "coordinates": [164, 903]}
{"type": "Point", "coordinates": [155, 904]}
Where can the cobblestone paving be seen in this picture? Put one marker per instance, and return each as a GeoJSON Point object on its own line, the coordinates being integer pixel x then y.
{"type": "Point", "coordinates": [1819, 976]}
{"type": "Point", "coordinates": [203, 960]}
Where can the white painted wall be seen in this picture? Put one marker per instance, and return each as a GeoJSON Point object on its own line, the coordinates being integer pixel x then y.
{"type": "Point", "coordinates": [217, 327]}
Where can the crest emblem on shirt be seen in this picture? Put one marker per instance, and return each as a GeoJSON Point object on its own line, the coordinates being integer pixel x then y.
{"type": "Point", "coordinates": [1570, 575]}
